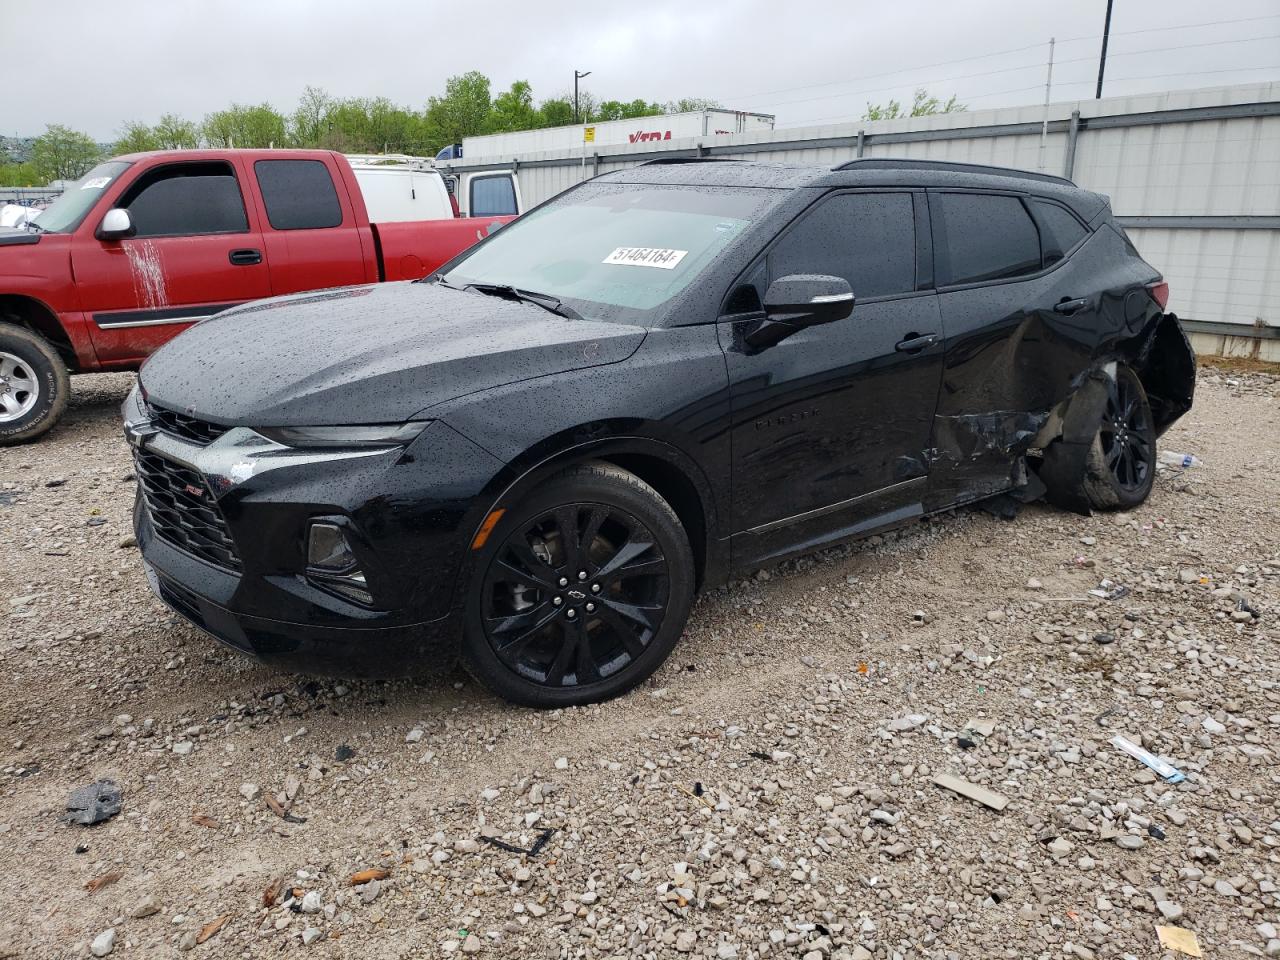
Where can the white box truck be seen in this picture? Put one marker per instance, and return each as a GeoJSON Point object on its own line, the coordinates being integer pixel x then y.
{"type": "Point", "coordinates": [642, 130]}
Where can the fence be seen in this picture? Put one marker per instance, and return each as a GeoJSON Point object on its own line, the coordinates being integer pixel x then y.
{"type": "Point", "coordinates": [1193, 175]}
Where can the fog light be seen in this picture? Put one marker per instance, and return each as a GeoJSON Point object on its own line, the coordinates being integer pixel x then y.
{"type": "Point", "coordinates": [332, 565]}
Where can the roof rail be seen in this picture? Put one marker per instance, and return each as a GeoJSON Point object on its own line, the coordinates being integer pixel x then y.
{"type": "Point", "coordinates": [665, 161]}
{"type": "Point", "coordinates": [390, 160]}
{"type": "Point", "coordinates": [904, 163]}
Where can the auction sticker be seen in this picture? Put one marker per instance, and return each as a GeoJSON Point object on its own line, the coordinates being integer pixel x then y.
{"type": "Point", "coordinates": [646, 257]}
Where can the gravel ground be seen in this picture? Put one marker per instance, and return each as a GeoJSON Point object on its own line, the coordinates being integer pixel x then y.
{"type": "Point", "coordinates": [768, 794]}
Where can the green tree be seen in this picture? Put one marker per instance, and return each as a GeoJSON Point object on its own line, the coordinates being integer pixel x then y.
{"type": "Point", "coordinates": [513, 110]}
{"type": "Point", "coordinates": [19, 175]}
{"type": "Point", "coordinates": [614, 110]}
{"type": "Point", "coordinates": [174, 133]}
{"type": "Point", "coordinates": [462, 111]}
{"type": "Point", "coordinates": [691, 105]}
{"type": "Point", "coordinates": [556, 112]}
{"type": "Point", "coordinates": [245, 126]}
{"type": "Point", "coordinates": [135, 137]}
{"type": "Point", "coordinates": [922, 105]}
{"type": "Point", "coordinates": [308, 123]}
{"type": "Point", "coordinates": [63, 154]}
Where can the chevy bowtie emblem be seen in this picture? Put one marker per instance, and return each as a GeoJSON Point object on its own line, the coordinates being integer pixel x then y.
{"type": "Point", "coordinates": [192, 489]}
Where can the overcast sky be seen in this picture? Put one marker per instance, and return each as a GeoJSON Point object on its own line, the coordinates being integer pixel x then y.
{"type": "Point", "coordinates": [93, 65]}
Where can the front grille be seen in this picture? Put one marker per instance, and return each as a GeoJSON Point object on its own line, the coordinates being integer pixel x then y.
{"type": "Point", "coordinates": [182, 510]}
{"type": "Point", "coordinates": [180, 425]}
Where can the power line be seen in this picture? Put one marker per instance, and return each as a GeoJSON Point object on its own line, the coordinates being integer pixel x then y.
{"type": "Point", "coordinates": [1036, 66]}
{"type": "Point", "coordinates": [1001, 53]}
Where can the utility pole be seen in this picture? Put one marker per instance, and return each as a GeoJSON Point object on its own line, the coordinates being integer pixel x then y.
{"type": "Point", "coordinates": [1102, 61]}
{"type": "Point", "coordinates": [1044, 121]}
{"type": "Point", "coordinates": [576, 77]}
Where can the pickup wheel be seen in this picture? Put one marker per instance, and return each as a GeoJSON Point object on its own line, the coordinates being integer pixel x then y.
{"type": "Point", "coordinates": [581, 591]}
{"type": "Point", "coordinates": [34, 385]}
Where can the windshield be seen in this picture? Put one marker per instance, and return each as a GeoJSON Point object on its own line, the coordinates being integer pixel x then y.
{"type": "Point", "coordinates": [65, 213]}
{"type": "Point", "coordinates": [615, 251]}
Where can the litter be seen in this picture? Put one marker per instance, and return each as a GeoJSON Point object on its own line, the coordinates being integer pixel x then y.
{"type": "Point", "coordinates": [204, 820]}
{"type": "Point", "coordinates": [364, 876]}
{"type": "Point", "coordinates": [94, 803]}
{"type": "Point", "coordinates": [759, 755]}
{"type": "Point", "coordinates": [212, 927]}
{"type": "Point", "coordinates": [511, 848]}
{"type": "Point", "coordinates": [988, 798]}
{"type": "Point", "coordinates": [106, 880]}
{"type": "Point", "coordinates": [280, 811]}
{"type": "Point", "coordinates": [1164, 768]}
{"type": "Point", "coordinates": [343, 752]}
{"type": "Point", "coordinates": [1109, 590]}
{"type": "Point", "coordinates": [1179, 939]}
{"type": "Point", "coordinates": [1183, 460]}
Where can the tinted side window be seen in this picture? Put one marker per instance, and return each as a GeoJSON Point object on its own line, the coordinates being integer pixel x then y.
{"type": "Point", "coordinates": [186, 199]}
{"type": "Point", "coordinates": [1060, 231]}
{"type": "Point", "coordinates": [298, 194]}
{"type": "Point", "coordinates": [493, 197]}
{"type": "Point", "coordinates": [982, 237]}
{"type": "Point", "coordinates": [867, 238]}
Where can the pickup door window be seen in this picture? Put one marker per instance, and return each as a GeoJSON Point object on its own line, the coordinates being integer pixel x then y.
{"type": "Point", "coordinates": [831, 426]}
{"type": "Point", "coordinates": [194, 253]}
{"type": "Point", "coordinates": [493, 196]}
{"type": "Point", "coordinates": [312, 237]}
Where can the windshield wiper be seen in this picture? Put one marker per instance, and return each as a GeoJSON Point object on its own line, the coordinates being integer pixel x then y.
{"type": "Point", "coordinates": [544, 300]}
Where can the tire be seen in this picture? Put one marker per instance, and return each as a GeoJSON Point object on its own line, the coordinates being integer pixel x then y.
{"type": "Point", "coordinates": [540, 633]}
{"type": "Point", "coordinates": [34, 385]}
{"type": "Point", "coordinates": [1121, 465]}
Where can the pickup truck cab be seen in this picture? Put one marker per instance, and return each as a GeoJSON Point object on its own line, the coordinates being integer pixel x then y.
{"type": "Point", "coordinates": [147, 244]}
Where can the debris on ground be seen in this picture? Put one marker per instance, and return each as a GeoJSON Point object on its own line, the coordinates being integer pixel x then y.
{"type": "Point", "coordinates": [94, 803]}
{"type": "Point", "coordinates": [103, 880]}
{"type": "Point", "coordinates": [1180, 940]}
{"type": "Point", "coordinates": [212, 927]}
{"type": "Point", "coordinates": [365, 876]}
{"type": "Point", "coordinates": [532, 851]}
{"type": "Point", "coordinates": [988, 798]}
{"type": "Point", "coordinates": [1163, 768]}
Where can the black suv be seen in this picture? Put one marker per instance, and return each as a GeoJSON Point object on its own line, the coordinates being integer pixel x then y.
{"type": "Point", "coordinates": [536, 457]}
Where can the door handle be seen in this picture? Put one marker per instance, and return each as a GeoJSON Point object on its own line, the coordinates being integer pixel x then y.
{"type": "Point", "coordinates": [245, 258]}
{"type": "Point", "coordinates": [1070, 306]}
{"type": "Point", "coordinates": [916, 342]}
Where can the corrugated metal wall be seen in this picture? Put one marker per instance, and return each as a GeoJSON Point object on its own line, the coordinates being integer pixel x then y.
{"type": "Point", "coordinates": [1195, 175]}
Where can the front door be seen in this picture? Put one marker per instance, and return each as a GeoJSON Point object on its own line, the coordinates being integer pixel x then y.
{"type": "Point", "coordinates": [195, 252]}
{"type": "Point", "coordinates": [832, 426]}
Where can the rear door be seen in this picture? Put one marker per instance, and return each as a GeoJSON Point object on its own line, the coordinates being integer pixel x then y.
{"type": "Point", "coordinates": [831, 426]}
{"type": "Point", "coordinates": [1021, 322]}
{"type": "Point", "coordinates": [311, 232]}
{"type": "Point", "coordinates": [197, 250]}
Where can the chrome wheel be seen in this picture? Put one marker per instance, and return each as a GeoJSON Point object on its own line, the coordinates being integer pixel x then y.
{"type": "Point", "coordinates": [1127, 434]}
{"type": "Point", "coordinates": [19, 388]}
{"type": "Point", "coordinates": [575, 596]}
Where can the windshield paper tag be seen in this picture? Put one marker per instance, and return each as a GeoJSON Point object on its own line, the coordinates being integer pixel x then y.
{"type": "Point", "coordinates": [646, 257]}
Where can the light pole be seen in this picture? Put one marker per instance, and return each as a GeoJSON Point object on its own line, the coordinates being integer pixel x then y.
{"type": "Point", "coordinates": [576, 77]}
{"type": "Point", "coordinates": [1102, 60]}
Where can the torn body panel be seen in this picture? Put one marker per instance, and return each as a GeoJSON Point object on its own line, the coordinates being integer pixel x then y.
{"type": "Point", "coordinates": [1034, 379]}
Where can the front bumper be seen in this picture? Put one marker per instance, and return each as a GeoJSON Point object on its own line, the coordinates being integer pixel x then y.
{"type": "Point", "coordinates": [408, 513]}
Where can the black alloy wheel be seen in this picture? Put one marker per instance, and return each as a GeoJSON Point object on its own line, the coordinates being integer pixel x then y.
{"type": "Point", "coordinates": [1127, 434]}
{"type": "Point", "coordinates": [582, 593]}
{"type": "Point", "coordinates": [576, 595]}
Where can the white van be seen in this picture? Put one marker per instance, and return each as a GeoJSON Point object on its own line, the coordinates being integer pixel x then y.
{"type": "Point", "coordinates": [399, 188]}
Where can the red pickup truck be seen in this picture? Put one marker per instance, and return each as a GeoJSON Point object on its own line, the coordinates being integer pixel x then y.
{"type": "Point", "coordinates": [147, 244]}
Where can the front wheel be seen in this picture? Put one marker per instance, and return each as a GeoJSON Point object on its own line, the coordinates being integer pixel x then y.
{"type": "Point", "coordinates": [33, 385]}
{"type": "Point", "coordinates": [1121, 467]}
{"type": "Point", "coordinates": [581, 592]}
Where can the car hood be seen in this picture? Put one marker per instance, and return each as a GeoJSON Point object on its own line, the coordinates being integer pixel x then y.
{"type": "Point", "coordinates": [374, 354]}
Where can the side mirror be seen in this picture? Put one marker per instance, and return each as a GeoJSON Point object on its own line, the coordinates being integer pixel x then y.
{"type": "Point", "coordinates": [116, 225]}
{"type": "Point", "coordinates": [798, 301]}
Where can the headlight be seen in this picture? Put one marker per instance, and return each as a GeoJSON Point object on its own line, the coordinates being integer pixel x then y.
{"type": "Point", "coordinates": [373, 435]}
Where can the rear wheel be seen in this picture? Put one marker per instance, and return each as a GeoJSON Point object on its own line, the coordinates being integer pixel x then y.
{"type": "Point", "coordinates": [1121, 465]}
{"type": "Point", "coordinates": [583, 589]}
{"type": "Point", "coordinates": [34, 385]}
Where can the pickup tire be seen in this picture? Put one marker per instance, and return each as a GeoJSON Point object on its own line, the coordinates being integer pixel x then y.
{"type": "Point", "coordinates": [34, 385]}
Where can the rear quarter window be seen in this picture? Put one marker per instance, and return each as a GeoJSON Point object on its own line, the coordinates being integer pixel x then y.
{"type": "Point", "coordinates": [298, 194]}
{"type": "Point", "coordinates": [981, 237]}
{"type": "Point", "coordinates": [1060, 231]}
